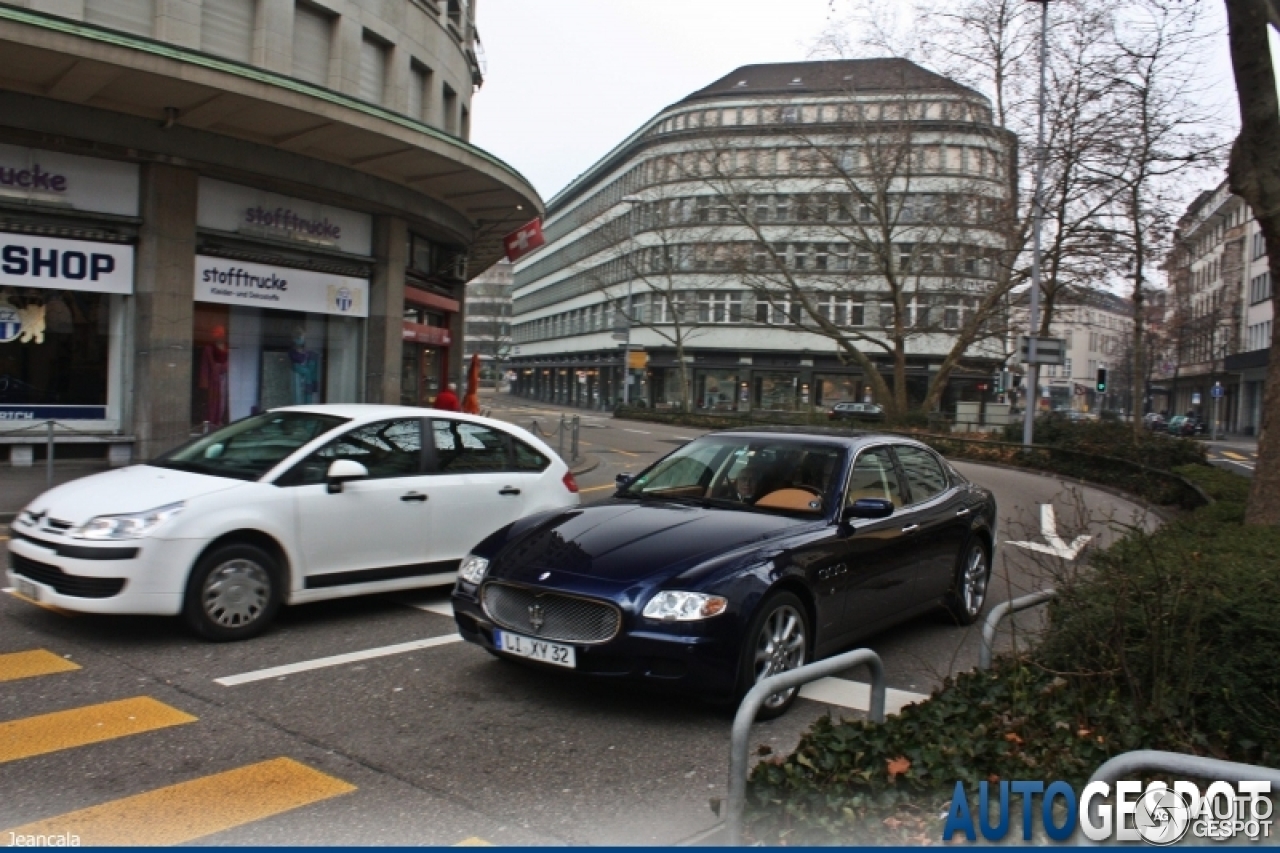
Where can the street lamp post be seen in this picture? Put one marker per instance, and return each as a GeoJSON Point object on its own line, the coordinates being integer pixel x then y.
{"type": "Point", "coordinates": [1037, 227]}
{"type": "Point", "coordinates": [631, 201]}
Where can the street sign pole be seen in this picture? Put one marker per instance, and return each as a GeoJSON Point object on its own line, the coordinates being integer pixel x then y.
{"type": "Point", "coordinates": [1033, 308]}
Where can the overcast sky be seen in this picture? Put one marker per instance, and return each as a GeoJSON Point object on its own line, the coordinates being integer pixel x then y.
{"type": "Point", "coordinates": [567, 80]}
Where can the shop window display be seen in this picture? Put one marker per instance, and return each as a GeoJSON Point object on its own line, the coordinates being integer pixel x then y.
{"type": "Point", "coordinates": [839, 389]}
{"type": "Point", "coordinates": [54, 349]}
{"type": "Point", "coordinates": [717, 390]}
{"type": "Point", "coordinates": [249, 360]}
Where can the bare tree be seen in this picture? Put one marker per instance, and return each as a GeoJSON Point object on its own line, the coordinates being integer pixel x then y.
{"type": "Point", "coordinates": [893, 250]}
{"type": "Point", "coordinates": [1160, 139]}
{"type": "Point", "coordinates": [991, 46]}
{"type": "Point", "coordinates": [657, 242]}
{"type": "Point", "coordinates": [1255, 175]}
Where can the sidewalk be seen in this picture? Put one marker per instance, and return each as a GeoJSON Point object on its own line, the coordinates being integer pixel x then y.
{"type": "Point", "coordinates": [19, 486]}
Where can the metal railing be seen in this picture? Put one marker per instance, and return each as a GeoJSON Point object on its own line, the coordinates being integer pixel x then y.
{"type": "Point", "coordinates": [998, 614]}
{"type": "Point", "coordinates": [49, 443]}
{"type": "Point", "coordinates": [738, 744]}
{"type": "Point", "coordinates": [568, 427]}
{"type": "Point", "coordinates": [1143, 762]}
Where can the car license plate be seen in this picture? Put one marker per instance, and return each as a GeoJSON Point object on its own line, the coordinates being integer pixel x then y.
{"type": "Point", "coordinates": [540, 650]}
{"type": "Point", "coordinates": [27, 589]}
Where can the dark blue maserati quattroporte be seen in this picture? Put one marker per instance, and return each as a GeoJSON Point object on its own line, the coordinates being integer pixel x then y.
{"type": "Point", "coordinates": [742, 554]}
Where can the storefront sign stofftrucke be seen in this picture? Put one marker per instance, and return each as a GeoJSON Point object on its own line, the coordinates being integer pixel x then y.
{"type": "Point", "coordinates": [230, 282]}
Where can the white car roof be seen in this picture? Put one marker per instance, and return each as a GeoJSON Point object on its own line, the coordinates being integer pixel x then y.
{"type": "Point", "coordinates": [366, 412]}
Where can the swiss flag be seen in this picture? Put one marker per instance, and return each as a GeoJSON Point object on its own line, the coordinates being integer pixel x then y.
{"type": "Point", "coordinates": [522, 242]}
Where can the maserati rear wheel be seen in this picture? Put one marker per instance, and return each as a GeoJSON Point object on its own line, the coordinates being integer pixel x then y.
{"type": "Point", "coordinates": [973, 576]}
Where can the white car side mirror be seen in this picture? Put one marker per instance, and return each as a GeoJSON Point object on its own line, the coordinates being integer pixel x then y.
{"type": "Point", "coordinates": [341, 471]}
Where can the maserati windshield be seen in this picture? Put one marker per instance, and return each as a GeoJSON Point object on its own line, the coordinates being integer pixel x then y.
{"type": "Point", "coordinates": [746, 472]}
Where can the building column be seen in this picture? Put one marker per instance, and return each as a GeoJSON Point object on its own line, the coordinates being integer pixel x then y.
{"type": "Point", "coordinates": [459, 359]}
{"type": "Point", "coordinates": [164, 310]}
{"type": "Point", "coordinates": [385, 345]}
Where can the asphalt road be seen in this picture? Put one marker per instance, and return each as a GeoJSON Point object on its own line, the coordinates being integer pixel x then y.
{"type": "Point", "coordinates": [420, 739]}
{"type": "Point", "coordinates": [1238, 457]}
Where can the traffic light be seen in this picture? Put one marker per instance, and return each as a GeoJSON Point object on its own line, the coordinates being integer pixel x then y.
{"type": "Point", "coordinates": [1102, 380]}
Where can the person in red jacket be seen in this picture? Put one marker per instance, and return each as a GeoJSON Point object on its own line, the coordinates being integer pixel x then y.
{"type": "Point", "coordinates": [448, 399]}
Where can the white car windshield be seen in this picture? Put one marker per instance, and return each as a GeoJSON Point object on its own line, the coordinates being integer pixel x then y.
{"type": "Point", "coordinates": [249, 448]}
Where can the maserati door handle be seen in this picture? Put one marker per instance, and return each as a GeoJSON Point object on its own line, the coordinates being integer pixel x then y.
{"type": "Point", "coordinates": [911, 528]}
{"type": "Point", "coordinates": [413, 497]}
{"type": "Point", "coordinates": [964, 511]}
{"type": "Point", "coordinates": [508, 490]}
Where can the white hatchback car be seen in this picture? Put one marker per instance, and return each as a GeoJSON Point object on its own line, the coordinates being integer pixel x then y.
{"type": "Point", "coordinates": [298, 504]}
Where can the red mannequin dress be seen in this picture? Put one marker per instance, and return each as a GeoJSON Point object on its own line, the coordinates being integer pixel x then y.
{"type": "Point", "coordinates": [213, 379]}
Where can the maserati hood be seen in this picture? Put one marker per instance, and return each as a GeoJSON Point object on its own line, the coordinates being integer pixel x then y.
{"type": "Point", "coordinates": [626, 542]}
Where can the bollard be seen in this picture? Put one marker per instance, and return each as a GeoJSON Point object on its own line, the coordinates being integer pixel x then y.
{"type": "Point", "coordinates": [48, 458]}
{"type": "Point", "coordinates": [739, 756]}
{"type": "Point", "coordinates": [560, 433]}
{"type": "Point", "coordinates": [997, 615]}
{"type": "Point", "coordinates": [573, 447]}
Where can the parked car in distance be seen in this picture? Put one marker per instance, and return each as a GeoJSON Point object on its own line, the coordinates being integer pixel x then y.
{"type": "Point", "coordinates": [856, 411]}
{"type": "Point", "coordinates": [742, 554]}
{"type": "Point", "coordinates": [294, 505]}
{"type": "Point", "coordinates": [1155, 422]}
{"type": "Point", "coordinates": [1185, 425]}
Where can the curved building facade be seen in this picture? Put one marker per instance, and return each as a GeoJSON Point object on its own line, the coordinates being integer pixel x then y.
{"type": "Point", "coordinates": [758, 230]}
{"type": "Point", "coordinates": [212, 207]}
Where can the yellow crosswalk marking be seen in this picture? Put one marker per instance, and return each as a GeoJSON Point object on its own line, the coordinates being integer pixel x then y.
{"type": "Point", "coordinates": [190, 810]}
{"type": "Point", "coordinates": [473, 841]}
{"type": "Point", "coordinates": [80, 726]}
{"type": "Point", "coordinates": [1230, 455]}
{"type": "Point", "coordinates": [30, 664]}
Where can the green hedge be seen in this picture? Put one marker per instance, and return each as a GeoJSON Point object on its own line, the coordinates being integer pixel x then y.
{"type": "Point", "coordinates": [1113, 438]}
{"type": "Point", "coordinates": [1168, 642]}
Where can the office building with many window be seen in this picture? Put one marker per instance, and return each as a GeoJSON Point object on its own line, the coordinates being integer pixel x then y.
{"type": "Point", "coordinates": [746, 239]}
{"type": "Point", "coordinates": [1219, 313]}
{"type": "Point", "coordinates": [209, 208]}
{"type": "Point", "coordinates": [489, 320]}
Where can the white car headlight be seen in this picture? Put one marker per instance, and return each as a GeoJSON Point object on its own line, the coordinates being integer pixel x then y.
{"type": "Point", "coordinates": [673, 606]}
{"type": "Point", "coordinates": [134, 525]}
{"type": "Point", "coordinates": [473, 568]}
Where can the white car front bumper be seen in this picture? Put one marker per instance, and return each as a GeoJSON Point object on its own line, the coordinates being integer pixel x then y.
{"type": "Point", "coordinates": [142, 576]}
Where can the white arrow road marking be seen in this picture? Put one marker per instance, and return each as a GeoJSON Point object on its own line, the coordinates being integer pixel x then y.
{"type": "Point", "coordinates": [1055, 546]}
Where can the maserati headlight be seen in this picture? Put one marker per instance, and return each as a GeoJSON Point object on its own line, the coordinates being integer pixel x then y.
{"type": "Point", "coordinates": [131, 526]}
{"type": "Point", "coordinates": [673, 606]}
{"type": "Point", "coordinates": [473, 568]}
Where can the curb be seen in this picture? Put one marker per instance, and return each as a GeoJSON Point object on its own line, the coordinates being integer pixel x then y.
{"type": "Point", "coordinates": [1165, 514]}
{"type": "Point", "coordinates": [588, 463]}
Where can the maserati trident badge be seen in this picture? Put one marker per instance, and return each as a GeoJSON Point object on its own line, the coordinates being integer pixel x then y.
{"type": "Point", "coordinates": [535, 617]}
{"type": "Point", "coordinates": [544, 576]}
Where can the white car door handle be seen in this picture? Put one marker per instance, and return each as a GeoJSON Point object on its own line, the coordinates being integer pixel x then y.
{"type": "Point", "coordinates": [508, 490]}
{"type": "Point", "coordinates": [412, 497]}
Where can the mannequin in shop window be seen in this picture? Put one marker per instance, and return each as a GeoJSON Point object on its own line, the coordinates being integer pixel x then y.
{"type": "Point", "coordinates": [306, 369]}
{"type": "Point", "coordinates": [213, 377]}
